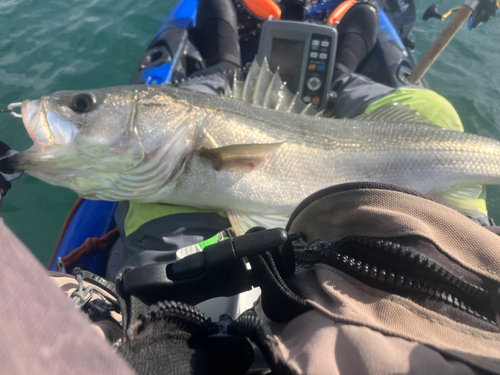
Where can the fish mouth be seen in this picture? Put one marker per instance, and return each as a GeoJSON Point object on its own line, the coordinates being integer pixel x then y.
{"type": "Point", "coordinates": [44, 127]}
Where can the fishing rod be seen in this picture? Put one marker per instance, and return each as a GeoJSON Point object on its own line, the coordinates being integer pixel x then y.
{"type": "Point", "coordinates": [479, 11]}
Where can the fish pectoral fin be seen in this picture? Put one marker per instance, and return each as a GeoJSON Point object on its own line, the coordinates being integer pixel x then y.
{"type": "Point", "coordinates": [243, 221]}
{"type": "Point", "coordinates": [394, 112]}
{"type": "Point", "coordinates": [239, 156]}
{"type": "Point", "coordinates": [463, 198]}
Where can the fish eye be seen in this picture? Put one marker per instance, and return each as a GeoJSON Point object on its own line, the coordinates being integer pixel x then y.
{"type": "Point", "coordinates": [83, 103]}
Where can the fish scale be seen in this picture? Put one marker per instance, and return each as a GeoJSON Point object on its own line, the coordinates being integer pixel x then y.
{"type": "Point", "coordinates": [164, 144]}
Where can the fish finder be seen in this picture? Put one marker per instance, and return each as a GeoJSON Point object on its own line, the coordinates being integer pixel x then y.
{"type": "Point", "coordinates": [305, 55]}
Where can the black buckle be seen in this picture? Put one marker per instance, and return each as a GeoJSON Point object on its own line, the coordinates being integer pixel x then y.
{"type": "Point", "coordinates": [220, 270]}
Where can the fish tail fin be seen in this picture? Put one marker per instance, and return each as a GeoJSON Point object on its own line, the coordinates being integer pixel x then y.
{"type": "Point", "coordinates": [242, 221]}
{"type": "Point", "coordinates": [464, 198]}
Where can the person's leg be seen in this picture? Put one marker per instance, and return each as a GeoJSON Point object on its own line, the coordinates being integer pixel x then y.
{"type": "Point", "coordinates": [357, 36]}
{"type": "Point", "coordinates": [217, 34]}
{"type": "Point", "coordinates": [216, 37]}
{"type": "Point", "coordinates": [153, 232]}
{"type": "Point", "coordinates": [355, 93]}
{"type": "Point", "coordinates": [42, 333]}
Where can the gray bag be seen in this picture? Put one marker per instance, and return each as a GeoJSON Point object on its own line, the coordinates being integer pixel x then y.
{"type": "Point", "coordinates": [397, 282]}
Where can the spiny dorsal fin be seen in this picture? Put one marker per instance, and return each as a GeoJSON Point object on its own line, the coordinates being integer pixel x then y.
{"type": "Point", "coordinates": [265, 89]}
{"type": "Point", "coordinates": [262, 85]}
{"type": "Point", "coordinates": [249, 84]}
{"type": "Point", "coordinates": [237, 87]}
{"type": "Point", "coordinates": [273, 92]}
{"type": "Point", "coordinates": [228, 93]}
{"type": "Point", "coordinates": [285, 98]}
{"type": "Point", "coordinates": [309, 110]}
{"type": "Point", "coordinates": [394, 112]}
{"type": "Point", "coordinates": [297, 105]}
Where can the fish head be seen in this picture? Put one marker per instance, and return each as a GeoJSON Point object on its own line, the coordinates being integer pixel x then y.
{"type": "Point", "coordinates": [80, 118]}
{"type": "Point", "coordinates": [82, 139]}
{"type": "Point", "coordinates": [120, 143]}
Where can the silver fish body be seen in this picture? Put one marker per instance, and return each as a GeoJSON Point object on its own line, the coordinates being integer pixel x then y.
{"type": "Point", "coordinates": [153, 144]}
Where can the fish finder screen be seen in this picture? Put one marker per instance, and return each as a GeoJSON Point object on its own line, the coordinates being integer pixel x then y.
{"type": "Point", "coordinates": [287, 55]}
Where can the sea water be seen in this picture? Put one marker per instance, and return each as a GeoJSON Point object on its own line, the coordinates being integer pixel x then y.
{"type": "Point", "coordinates": [53, 45]}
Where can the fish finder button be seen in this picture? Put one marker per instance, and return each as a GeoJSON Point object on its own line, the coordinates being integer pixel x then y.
{"type": "Point", "coordinates": [313, 83]}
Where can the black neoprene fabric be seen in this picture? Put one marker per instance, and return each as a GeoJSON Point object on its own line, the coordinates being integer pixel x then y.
{"type": "Point", "coordinates": [164, 348]}
{"type": "Point", "coordinates": [357, 32]}
{"type": "Point", "coordinates": [216, 33]}
{"type": "Point", "coordinates": [279, 303]}
{"type": "Point", "coordinates": [178, 345]}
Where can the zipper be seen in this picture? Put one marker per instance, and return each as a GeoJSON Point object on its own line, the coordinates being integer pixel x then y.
{"type": "Point", "coordinates": [401, 270]}
{"type": "Point", "coordinates": [175, 311]}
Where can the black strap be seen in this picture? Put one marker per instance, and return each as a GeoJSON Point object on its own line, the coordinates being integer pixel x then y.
{"type": "Point", "coordinates": [279, 302]}
{"type": "Point", "coordinates": [249, 325]}
{"type": "Point", "coordinates": [131, 306]}
{"type": "Point", "coordinates": [167, 336]}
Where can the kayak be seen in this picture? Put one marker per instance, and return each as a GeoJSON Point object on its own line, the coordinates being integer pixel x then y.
{"type": "Point", "coordinates": [172, 57]}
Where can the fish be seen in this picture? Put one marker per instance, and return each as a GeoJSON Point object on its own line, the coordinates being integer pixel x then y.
{"type": "Point", "coordinates": [256, 152]}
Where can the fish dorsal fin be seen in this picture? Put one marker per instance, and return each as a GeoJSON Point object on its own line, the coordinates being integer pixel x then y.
{"type": "Point", "coordinates": [237, 87]}
{"type": "Point", "coordinates": [394, 112]}
{"type": "Point", "coordinates": [309, 110]}
{"type": "Point", "coordinates": [249, 84]}
{"type": "Point", "coordinates": [273, 92]}
{"type": "Point", "coordinates": [228, 93]}
{"type": "Point", "coordinates": [285, 98]}
{"type": "Point", "coordinates": [262, 88]}
{"type": "Point", "coordinates": [262, 85]}
{"type": "Point", "coordinates": [239, 156]}
{"type": "Point", "coordinates": [297, 105]}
